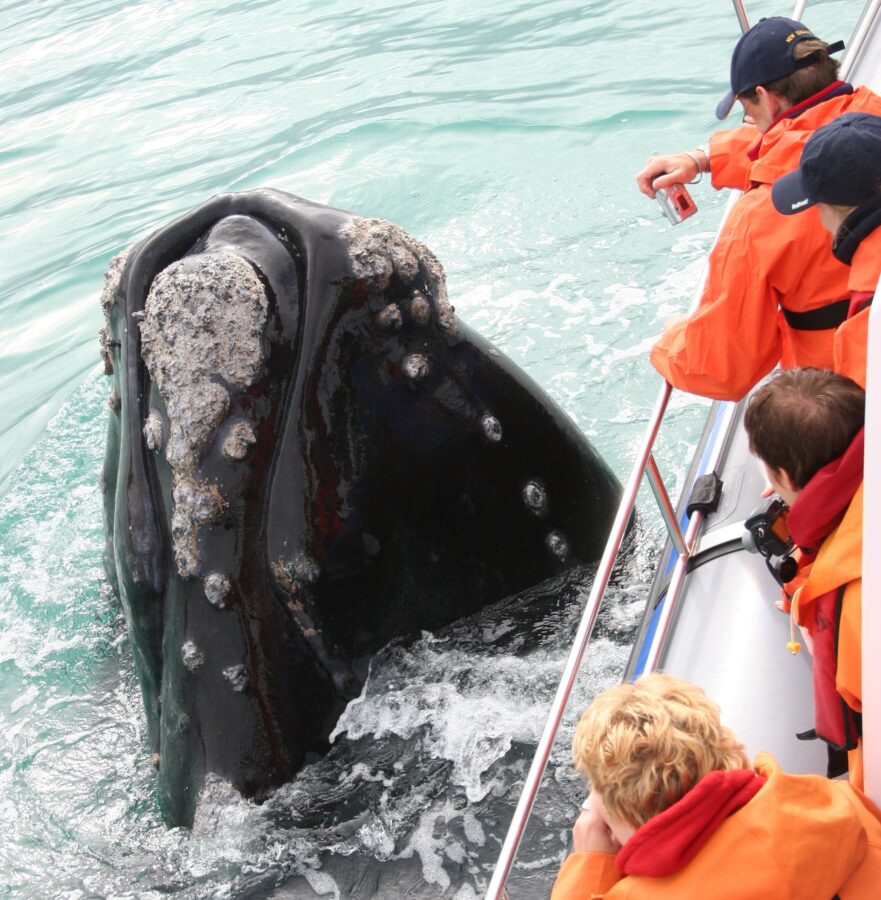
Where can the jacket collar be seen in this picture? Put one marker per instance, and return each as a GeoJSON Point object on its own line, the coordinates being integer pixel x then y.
{"type": "Point", "coordinates": [836, 89]}
{"type": "Point", "coordinates": [822, 503]}
{"type": "Point", "coordinates": [856, 228]}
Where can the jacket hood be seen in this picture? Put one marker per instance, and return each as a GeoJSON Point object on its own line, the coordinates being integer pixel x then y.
{"type": "Point", "coordinates": [802, 828]}
{"type": "Point", "coordinates": [811, 828]}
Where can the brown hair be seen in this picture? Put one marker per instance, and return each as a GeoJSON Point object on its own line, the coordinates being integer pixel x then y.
{"type": "Point", "coordinates": [802, 419]}
{"type": "Point", "coordinates": [803, 83]}
{"type": "Point", "coordinates": [644, 745]}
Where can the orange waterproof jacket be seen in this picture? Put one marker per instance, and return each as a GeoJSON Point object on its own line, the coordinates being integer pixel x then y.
{"type": "Point", "coordinates": [801, 837]}
{"type": "Point", "coordinates": [852, 336]}
{"type": "Point", "coordinates": [761, 261]}
{"type": "Point", "coordinates": [729, 157]}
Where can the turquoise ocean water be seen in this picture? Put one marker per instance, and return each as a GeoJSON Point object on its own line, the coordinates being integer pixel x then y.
{"type": "Point", "coordinates": [505, 136]}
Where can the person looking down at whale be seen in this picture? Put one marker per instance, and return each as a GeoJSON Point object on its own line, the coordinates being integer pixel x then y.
{"type": "Point", "coordinates": [806, 427]}
{"type": "Point", "coordinates": [840, 174]}
{"type": "Point", "coordinates": [676, 810]}
{"type": "Point", "coordinates": [774, 291]}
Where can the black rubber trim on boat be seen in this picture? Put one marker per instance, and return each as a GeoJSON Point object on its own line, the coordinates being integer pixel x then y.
{"type": "Point", "coordinates": [697, 561]}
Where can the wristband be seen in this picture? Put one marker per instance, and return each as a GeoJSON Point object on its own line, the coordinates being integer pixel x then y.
{"type": "Point", "coordinates": [700, 171]}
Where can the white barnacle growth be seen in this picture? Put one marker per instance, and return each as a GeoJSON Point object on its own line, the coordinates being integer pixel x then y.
{"type": "Point", "coordinates": [535, 497]}
{"type": "Point", "coordinates": [237, 676]}
{"type": "Point", "coordinates": [217, 588]}
{"type": "Point", "coordinates": [239, 440]}
{"type": "Point", "coordinates": [558, 545]}
{"type": "Point", "coordinates": [389, 318]}
{"type": "Point", "coordinates": [420, 308]}
{"type": "Point", "coordinates": [378, 249]}
{"type": "Point", "coordinates": [154, 435]}
{"type": "Point", "coordinates": [415, 366]}
{"type": "Point", "coordinates": [491, 428]}
{"type": "Point", "coordinates": [202, 340]}
{"type": "Point", "coordinates": [112, 279]}
{"type": "Point", "coordinates": [192, 656]}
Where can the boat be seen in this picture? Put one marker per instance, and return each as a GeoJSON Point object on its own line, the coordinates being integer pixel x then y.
{"type": "Point", "coordinates": [710, 617]}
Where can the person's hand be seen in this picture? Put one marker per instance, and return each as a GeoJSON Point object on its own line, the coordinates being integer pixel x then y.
{"type": "Point", "coordinates": [674, 168]}
{"type": "Point", "coordinates": [674, 321]}
{"type": "Point", "coordinates": [591, 834]}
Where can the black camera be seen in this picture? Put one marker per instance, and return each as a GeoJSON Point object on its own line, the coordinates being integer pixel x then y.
{"type": "Point", "coordinates": [767, 533]}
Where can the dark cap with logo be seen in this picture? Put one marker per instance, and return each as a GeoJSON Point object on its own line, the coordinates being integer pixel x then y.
{"type": "Point", "coordinates": [764, 54]}
{"type": "Point", "coordinates": [840, 164]}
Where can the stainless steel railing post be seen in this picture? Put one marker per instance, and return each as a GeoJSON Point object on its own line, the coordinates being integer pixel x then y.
{"type": "Point", "coordinates": [668, 514]}
{"type": "Point", "coordinates": [858, 38]}
{"type": "Point", "coordinates": [741, 15]}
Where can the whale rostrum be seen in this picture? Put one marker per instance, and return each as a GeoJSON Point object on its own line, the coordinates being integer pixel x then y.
{"type": "Point", "coordinates": [309, 454]}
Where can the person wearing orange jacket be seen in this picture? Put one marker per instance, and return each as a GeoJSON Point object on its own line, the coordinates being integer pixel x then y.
{"type": "Point", "coordinates": [806, 426]}
{"type": "Point", "coordinates": [840, 174]}
{"type": "Point", "coordinates": [774, 291]}
{"type": "Point", "coordinates": [676, 811]}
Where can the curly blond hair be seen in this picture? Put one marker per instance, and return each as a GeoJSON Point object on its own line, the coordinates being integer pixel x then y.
{"type": "Point", "coordinates": [644, 745]}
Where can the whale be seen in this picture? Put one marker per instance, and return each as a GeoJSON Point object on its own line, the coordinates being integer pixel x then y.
{"type": "Point", "coordinates": [309, 455]}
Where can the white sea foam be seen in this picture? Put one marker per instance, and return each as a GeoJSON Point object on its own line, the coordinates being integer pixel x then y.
{"type": "Point", "coordinates": [322, 883]}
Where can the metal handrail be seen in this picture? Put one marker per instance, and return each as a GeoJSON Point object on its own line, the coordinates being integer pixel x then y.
{"type": "Point", "coordinates": [867, 20]}
{"type": "Point", "coordinates": [740, 12]}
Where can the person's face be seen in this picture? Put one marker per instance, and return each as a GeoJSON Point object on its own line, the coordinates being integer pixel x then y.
{"type": "Point", "coordinates": [762, 111]}
{"type": "Point", "coordinates": [621, 830]}
{"type": "Point", "coordinates": [833, 216]}
{"type": "Point", "coordinates": [782, 484]}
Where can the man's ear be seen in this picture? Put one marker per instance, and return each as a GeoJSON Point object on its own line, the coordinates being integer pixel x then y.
{"type": "Point", "coordinates": [786, 480]}
{"type": "Point", "coordinates": [773, 102]}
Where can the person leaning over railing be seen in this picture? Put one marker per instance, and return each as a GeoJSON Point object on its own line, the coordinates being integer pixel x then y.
{"type": "Point", "coordinates": [840, 174]}
{"type": "Point", "coordinates": [774, 291]}
{"type": "Point", "coordinates": [676, 810]}
{"type": "Point", "coordinates": [806, 426]}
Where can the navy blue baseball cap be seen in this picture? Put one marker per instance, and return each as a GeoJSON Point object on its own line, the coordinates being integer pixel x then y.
{"type": "Point", "coordinates": [840, 164]}
{"type": "Point", "coordinates": [764, 54]}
